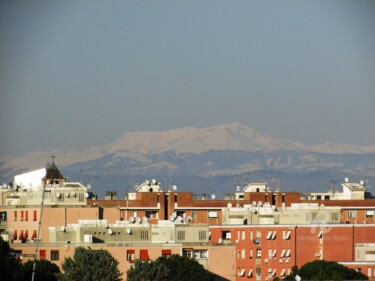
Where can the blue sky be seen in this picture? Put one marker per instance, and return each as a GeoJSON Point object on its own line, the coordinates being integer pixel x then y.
{"type": "Point", "coordinates": [76, 74]}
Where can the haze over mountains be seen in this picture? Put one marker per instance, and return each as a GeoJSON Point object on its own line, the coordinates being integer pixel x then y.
{"type": "Point", "coordinates": [196, 155]}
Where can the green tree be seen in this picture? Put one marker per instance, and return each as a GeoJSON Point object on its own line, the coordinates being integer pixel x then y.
{"type": "Point", "coordinates": [326, 270]}
{"type": "Point", "coordinates": [174, 268]}
{"type": "Point", "coordinates": [91, 265]}
{"type": "Point", "coordinates": [143, 271]}
{"type": "Point", "coordinates": [10, 266]}
{"type": "Point", "coordinates": [44, 271]}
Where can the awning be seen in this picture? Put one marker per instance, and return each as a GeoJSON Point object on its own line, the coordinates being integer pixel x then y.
{"type": "Point", "coordinates": [131, 251]}
{"type": "Point", "coordinates": [241, 272]}
{"type": "Point", "coordinates": [320, 234]}
{"type": "Point", "coordinates": [21, 235]}
{"type": "Point", "coordinates": [250, 272]}
{"type": "Point", "coordinates": [166, 252]}
{"type": "Point", "coordinates": [288, 253]}
{"type": "Point", "coordinates": [282, 253]}
{"type": "Point", "coordinates": [144, 255]}
{"type": "Point", "coordinates": [26, 235]}
{"type": "Point", "coordinates": [269, 234]}
{"type": "Point", "coordinates": [274, 235]}
{"type": "Point", "coordinates": [287, 236]}
{"type": "Point", "coordinates": [15, 235]}
{"type": "Point", "coordinates": [33, 237]}
{"type": "Point", "coordinates": [282, 272]}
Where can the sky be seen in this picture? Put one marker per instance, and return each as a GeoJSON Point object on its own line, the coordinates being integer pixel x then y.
{"type": "Point", "coordinates": [77, 74]}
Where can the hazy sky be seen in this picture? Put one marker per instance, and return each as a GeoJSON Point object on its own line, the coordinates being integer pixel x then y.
{"type": "Point", "coordinates": [82, 73]}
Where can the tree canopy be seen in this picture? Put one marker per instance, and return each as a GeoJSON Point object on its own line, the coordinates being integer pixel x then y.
{"type": "Point", "coordinates": [173, 268]}
{"type": "Point", "coordinates": [91, 265]}
{"type": "Point", "coordinates": [10, 266]}
{"type": "Point", "coordinates": [325, 270]}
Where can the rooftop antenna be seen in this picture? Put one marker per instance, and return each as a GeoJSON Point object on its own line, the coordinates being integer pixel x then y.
{"type": "Point", "coordinates": [331, 185]}
{"type": "Point", "coordinates": [38, 234]}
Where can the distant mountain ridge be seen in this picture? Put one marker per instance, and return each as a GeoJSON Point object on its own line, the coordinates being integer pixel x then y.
{"type": "Point", "coordinates": [200, 151]}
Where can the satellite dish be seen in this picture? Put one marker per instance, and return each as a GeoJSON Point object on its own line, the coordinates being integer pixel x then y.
{"type": "Point", "coordinates": [139, 220]}
{"type": "Point", "coordinates": [361, 182]}
{"type": "Point", "coordinates": [346, 179]}
{"type": "Point", "coordinates": [174, 214]}
{"type": "Point", "coordinates": [132, 219]}
{"type": "Point", "coordinates": [4, 185]}
{"type": "Point", "coordinates": [213, 196]}
{"type": "Point", "coordinates": [74, 194]}
{"type": "Point", "coordinates": [88, 186]}
{"type": "Point", "coordinates": [128, 230]}
{"type": "Point", "coordinates": [174, 187]}
{"type": "Point", "coordinates": [87, 195]}
{"type": "Point", "coordinates": [229, 205]}
{"type": "Point", "coordinates": [153, 181]}
{"type": "Point", "coordinates": [171, 218]}
{"type": "Point", "coordinates": [238, 188]}
{"type": "Point", "coordinates": [67, 194]}
{"type": "Point", "coordinates": [147, 182]}
{"type": "Point", "coordinates": [58, 194]}
{"type": "Point", "coordinates": [62, 229]}
{"type": "Point", "coordinates": [254, 204]}
{"type": "Point", "coordinates": [144, 220]}
{"type": "Point", "coordinates": [260, 204]}
{"type": "Point", "coordinates": [189, 218]}
{"type": "Point", "coordinates": [110, 231]}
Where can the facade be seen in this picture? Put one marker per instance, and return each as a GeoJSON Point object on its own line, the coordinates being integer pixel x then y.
{"type": "Point", "coordinates": [254, 234]}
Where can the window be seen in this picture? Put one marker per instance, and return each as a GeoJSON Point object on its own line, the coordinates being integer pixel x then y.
{"type": "Point", "coordinates": [81, 197]}
{"type": "Point", "coordinates": [166, 253]}
{"type": "Point", "coordinates": [202, 235]}
{"type": "Point", "coordinates": [130, 255]}
{"type": "Point", "coordinates": [243, 253]}
{"type": "Point", "coordinates": [369, 213]}
{"type": "Point", "coordinates": [314, 216]}
{"type": "Point", "coordinates": [187, 253]}
{"type": "Point", "coordinates": [54, 255]}
{"type": "Point", "coordinates": [143, 255]}
{"type": "Point", "coordinates": [3, 216]}
{"type": "Point", "coordinates": [26, 215]}
{"type": "Point", "coordinates": [286, 235]}
{"type": "Point", "coordinates": [334, 216]}
{"type": "Point", "coordinates": [352, 214]}
{"type": "Point", "coordinates": [212, 214]}
{"type": "Point", "coordinates": [151, 214]}
{"type": "Point", "coordinates": [226, 234]}
{"type": "Point", "coordinates": [200, 254]}
{"type": "Point", "coordinates": [258, 272]}
{"type": "Point", "coordinates": [34, 216]}
{"type": "Point", "coordinates": [144, 234]}
{"type": "Point", "coordinates": [181, 235]}
{"type": "Point", "coordinates": [15, 215]}
{"type": "Point", "coordinates": [258, 234]}
{"type": "Point", "coordinates": [175, 198]}
{"type": "Point", "coordinates": [21, 215]}
{"type": "Point", "coordinates": [270, 253]}
{"type": "Point", "coordinates": [243, 235]}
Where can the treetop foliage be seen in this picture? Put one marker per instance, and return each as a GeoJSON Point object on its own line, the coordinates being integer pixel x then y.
{"type": "Point", "coordinates": [91, 265]}
{"type": "Point", "coordinates": [173, 268]}
{"type": "Point", "coordinates": [325, 270]}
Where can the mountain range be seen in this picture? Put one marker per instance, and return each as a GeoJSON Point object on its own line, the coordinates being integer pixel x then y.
{"type": "Point", "coordinates": [203, 157]}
